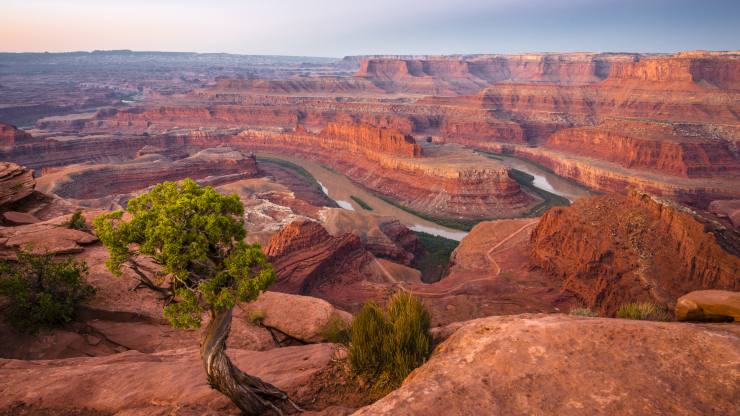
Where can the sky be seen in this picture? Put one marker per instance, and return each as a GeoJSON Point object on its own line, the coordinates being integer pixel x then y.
{"type": "Point", "coordinates": [336, 28]}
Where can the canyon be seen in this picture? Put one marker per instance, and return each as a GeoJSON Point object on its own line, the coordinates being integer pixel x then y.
{"type": "Point", "coordinates": [504, 192]}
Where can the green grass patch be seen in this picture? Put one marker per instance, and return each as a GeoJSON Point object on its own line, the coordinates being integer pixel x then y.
{"type": "Point", "coordinates": [434, 257]}
{"type": "Point", "coordinates": [295, 168]}
{"type": "Point", "coordinates": [361, 203]}
{"type": "Point", "coordinates": [583, 312]}
{"type": "Point", "coordinates": [643, 311]}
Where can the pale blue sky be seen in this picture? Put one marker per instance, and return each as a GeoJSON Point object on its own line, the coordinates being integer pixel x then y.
{"type": "Point", "coordinates": [350, 27]}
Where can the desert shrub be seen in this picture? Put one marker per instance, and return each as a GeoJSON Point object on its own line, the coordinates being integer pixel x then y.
{"type": "Point", "coordinates": [336, 330]}
{"type": "Point", "coordinates": [385, 346]}
{"type": "Point", "coordinates": [42, 290]}
{"type": "Point", "coordinates": [77, 222]}
{"type": "Point", "coordinates": [582, 311]}
{"type": "Point", "coordinates": [645, 311]}
{"type": "Point", "coordinates": [257, 316]}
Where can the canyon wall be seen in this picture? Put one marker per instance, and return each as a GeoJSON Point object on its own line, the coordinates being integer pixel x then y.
{"type": "Point", "coordinates": [11, 135]}
{"type": "Point", "coordinates": [613, 250]}
{"type": "Point", "coordinates": [642, 145]}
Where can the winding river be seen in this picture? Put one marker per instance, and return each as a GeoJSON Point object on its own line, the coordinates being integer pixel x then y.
{"type": "Point", "coordinates": [339, 188]}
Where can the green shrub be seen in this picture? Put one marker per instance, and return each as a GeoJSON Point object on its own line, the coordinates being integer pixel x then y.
{"type": "Point", "coordinates": [583, 312]}
{"type": "Point", "coordinates": [385, 346]}
{"type": "Point", "coordinates": [42, 291]}
{"type": "Point", "coordinates": [645, 311]}
{"type": "Point", "coordinates": [77, 222]}
{"type": "Point", "coordinates": [336, 330]}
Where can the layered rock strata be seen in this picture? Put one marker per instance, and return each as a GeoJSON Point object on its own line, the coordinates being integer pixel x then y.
{"type": "Point", "coordinates": [16, 183]}
{"type": "Point", "coordinates": [613, 250]}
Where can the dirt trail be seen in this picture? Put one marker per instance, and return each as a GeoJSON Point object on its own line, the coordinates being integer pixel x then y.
{"type": "Point", "coordinates": [489, 257]}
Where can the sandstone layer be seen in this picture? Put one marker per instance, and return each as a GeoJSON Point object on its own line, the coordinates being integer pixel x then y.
{"type": "Point", "coordinates": [555, 364]}
{"type": "Point", "coordinates": [613, 250]}
{"type": "Point", "coordinates": [16, 183]}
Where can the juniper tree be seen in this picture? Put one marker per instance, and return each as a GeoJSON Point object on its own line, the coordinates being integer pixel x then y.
{"type": "Point", "coordinates": [197, 236]}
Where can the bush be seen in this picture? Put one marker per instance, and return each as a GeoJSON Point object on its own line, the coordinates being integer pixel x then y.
{"type": "Point", "coordinates": [336, 330]}
{"type": "Point", "coordinates": [42, 291]}
{"type": "Point", "coordinates": [645, 311]}
{"type": "Point", "coordinates": [77, 222]}
{"type": "Point", "coordinates": [385, 346]}
{"type": "Point", "coordinates": [583, 312]}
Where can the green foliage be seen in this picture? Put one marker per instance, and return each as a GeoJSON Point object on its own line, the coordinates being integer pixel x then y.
{"type": "Point", "coordinates": [77, 222]}
{"type": "Point", "coordinates": [336, 330]}
{"type": "Point", "coordinates": [435, 258]}
{"type": "Point", "coordinates": [197, 235]}
{"type": "Point", "coordinates": [42, 291]}
{"type": "Point", "coordinates": [385, 346]}
{"type": "Point", "coordinates": [361, 203]}
{"type": "Point", "coordinates": [644, 311]}
{"type": "Point", "coordinates": [583, 312]}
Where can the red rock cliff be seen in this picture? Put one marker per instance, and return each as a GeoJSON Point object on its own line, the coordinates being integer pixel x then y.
{"type": "Point", "coordinates": [612, 250]}
{"type": "Point", "coordinates": [359, 137]}
{"type": "Point", "coordinates": [10, 135]}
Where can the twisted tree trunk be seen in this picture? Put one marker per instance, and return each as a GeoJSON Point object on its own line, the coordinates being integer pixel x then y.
{"type": "Point", "coordinates": [252, 395]}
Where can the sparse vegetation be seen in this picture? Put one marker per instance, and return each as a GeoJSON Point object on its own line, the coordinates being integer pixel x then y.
{"type": "Point", "coordinates": [644, 311]}
{"type": "Point", "coordinates": [337, 330]}
{"type": "Point", "coordinates": [583, 311]}
{"type": "Point", "coordinates": [77, 222]}
{"type": "Point", "coordinates": [434, 258]}
{"type": "Point", "coordinates": [385, 346]}
{"type": "Point", "coordinates": [361, 203]}
{"type": "Point", "coordinates": [42, 291]}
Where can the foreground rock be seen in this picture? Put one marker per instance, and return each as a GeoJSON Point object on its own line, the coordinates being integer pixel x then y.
{"type": "Point", "coordinates": [170, 382]}
{"type": "Point", "coordinates": [300, 317]}
{"type": "Point", "coordinates": [557, 364]}
{"type": "Point", "coordinates": [16, 182]}
{"type": "Point", "coordinates": [708, 305]}
{"type": "Point", "coordinates": [47, 237]}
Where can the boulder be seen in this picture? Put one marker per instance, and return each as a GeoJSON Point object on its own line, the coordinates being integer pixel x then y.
{"type": "Point", "coordinates": [16, 182]}
{"type": "Point", "coordinates": [300, 317]}
{"type": "Point", "coordinates": [19, 218]}
{"type": "Point", "coordinates": [567, 365]}
{"type": "Point", "coordinates": [52, 237]}
{"type": "Point", "coordinates": [708, 305]}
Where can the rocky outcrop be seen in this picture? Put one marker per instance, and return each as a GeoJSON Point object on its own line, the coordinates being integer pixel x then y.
{"type": "Point", "coordinates": [11, 135]}
{"type": "Point", "coordinates": [709, 305]}
{"type": "Point", "coordinates": [555, 364]}
{"type": "Point", "coordinates": [16, 183]}
{"type": "Point", "coordinates": [665, 148]}
{"type": "Point", "coordinates": [612, 250]}
{"type": "Point", "coordinates": [47, 237]}
{"type": "Point", "coordinates": [96, 181]}
{"type": "Point", "coordinates": [165, 382]}
{"type": "Point", "coordinates": [308, 260]}
{"type": "Point", "coordinates": [302, 318]}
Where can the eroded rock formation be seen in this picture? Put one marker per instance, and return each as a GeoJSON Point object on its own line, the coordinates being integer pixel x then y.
{"type": "Point", "coordinates": [16, 183]}
{"type": "Point", "coordinates": [613, 250]}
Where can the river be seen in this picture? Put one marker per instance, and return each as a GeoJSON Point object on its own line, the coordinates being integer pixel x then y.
{"type": "Point", "coordinates": [339, 188]}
